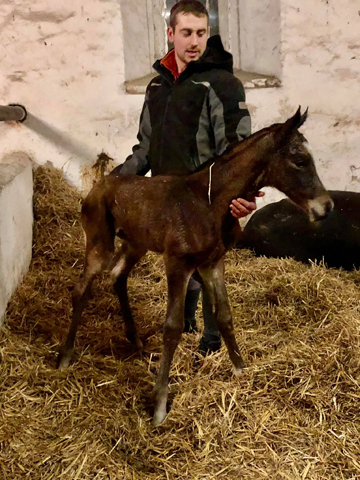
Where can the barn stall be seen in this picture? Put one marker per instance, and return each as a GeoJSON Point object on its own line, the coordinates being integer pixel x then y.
{"type": "Point", "coordinates": [293, 413]}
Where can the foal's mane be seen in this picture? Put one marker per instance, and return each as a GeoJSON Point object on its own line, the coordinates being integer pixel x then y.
{"type": "Point", "coordinates": [237, 145]}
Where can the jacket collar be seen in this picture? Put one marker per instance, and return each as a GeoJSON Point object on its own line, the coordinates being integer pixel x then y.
{"type": "Point", "coordinates": [169, 62]}
{"type": "Point", "coordinates": [215, 56]}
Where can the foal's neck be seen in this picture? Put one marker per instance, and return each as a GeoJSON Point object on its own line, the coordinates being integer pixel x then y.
{"type": "Point", "coordinates": [240, 172]}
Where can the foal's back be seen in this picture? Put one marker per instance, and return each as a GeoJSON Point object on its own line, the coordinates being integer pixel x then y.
{"type": "Point", "coordinates": [163, 214]}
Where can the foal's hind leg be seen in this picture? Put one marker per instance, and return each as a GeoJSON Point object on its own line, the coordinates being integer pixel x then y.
{"type": "Point", "coordinates": [96, 260]}
{"type": "Point", "coordinates": [178, 275]}
{"type": "Point", "coordinates": [213, 278]}
{"type": "Point", "coordinates": [126, 258]}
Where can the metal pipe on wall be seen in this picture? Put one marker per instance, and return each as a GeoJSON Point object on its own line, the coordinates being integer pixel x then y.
{"type": "Point", "coordinates": [12, 112]}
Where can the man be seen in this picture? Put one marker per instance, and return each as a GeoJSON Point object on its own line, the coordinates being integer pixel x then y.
{"type": "Point", "coordinates": [192, 111]}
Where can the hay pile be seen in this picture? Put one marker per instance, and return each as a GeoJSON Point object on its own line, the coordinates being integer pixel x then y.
{"type": "Point", "coordinates": [293, 414]}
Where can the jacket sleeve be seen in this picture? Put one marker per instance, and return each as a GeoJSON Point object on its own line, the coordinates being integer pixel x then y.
{"type": "Point", "coordinates": [138, 162]}
{"type": "Point", "coordinates": [229, 115]}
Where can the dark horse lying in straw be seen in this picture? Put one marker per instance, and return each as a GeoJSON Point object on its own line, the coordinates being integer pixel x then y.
{"type": "Point", "coordinates": [187, 219]}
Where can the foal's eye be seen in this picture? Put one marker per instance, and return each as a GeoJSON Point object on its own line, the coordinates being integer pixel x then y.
{"type": "Point", "coordinates": [300, 163]}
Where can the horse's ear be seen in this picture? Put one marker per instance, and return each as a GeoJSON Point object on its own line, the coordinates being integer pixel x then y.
{"type": "Point", "coordinates": [303, 117]}
{"type": "Point", "coordinates": [295, 122]}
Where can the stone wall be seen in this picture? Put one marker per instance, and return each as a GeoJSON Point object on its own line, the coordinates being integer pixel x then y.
{"type": "Point", "coordinates": [65, 62]}
{"type": "Point", "coordinates": [320, 58]}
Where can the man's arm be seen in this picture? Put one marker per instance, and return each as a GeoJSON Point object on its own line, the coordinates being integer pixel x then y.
{"type": "Point", "coordinates": [229, 115]}
{"type": "Point", "coordinates": [138, 162]}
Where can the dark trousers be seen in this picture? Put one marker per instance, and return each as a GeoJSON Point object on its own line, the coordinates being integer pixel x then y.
{"type": "Point", "coordinates": [211, 331]}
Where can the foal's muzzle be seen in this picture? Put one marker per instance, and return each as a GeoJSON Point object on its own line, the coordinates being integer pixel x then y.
{"type": "Point", "coordinates": [320, 207]}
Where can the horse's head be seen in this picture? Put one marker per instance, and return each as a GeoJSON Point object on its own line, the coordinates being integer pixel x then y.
{"type": "Point", "coordinates": [292, 170]}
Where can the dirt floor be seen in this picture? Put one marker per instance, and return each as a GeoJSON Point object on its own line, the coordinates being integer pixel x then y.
{"type": "Point", "coordinates": [292, 414]}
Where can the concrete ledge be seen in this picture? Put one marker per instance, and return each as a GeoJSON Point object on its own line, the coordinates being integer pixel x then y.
{"type": "Point", "coordinates": [248, 79]}
{"type": "Point", "coordinates": [16, 223]}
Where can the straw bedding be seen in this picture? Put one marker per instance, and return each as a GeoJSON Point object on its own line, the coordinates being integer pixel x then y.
{"type": "Point", "coordinates": [292, 414]}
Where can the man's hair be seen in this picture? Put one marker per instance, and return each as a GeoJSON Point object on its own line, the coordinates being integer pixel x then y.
{"type": "Point", "coordinates": [187, 6]}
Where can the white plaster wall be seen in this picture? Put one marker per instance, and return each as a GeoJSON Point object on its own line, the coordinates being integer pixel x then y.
{"type": "Point", "coordinates": [321, 55]}
{"type": "Point", "coordinates": [320, 60]}
{"type": "Point", "coordinates": [65, 61]}
{"type": "Point", "coordinates": [16, 220]}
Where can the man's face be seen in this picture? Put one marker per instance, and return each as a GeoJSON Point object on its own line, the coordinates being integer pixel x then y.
{"type": "Point", "coordinates": [189, 38]}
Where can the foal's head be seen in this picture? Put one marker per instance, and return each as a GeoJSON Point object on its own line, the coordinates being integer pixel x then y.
{"type": "Point", "coordinates": [292, 169]}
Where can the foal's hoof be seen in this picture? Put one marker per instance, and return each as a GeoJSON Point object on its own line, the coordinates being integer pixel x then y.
{"type": "Point", "coordinates": [139, 345]}
{"type": "Point", "coordinates": [64, 360]}
{"type": "Point", "coordinates": [135, 341]}
{"type": "Point", "coordinates": [160, 408]}
{"type": "Point", "coordinates": [238, 371]}
{"type": "Point", "coordinates": [159, 418]}
{"type": "Point", "coordinates": [238, 364]}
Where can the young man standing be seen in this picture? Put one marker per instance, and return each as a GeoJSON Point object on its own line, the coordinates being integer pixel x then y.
{"type": "Point", "coordinates": [192, 111]}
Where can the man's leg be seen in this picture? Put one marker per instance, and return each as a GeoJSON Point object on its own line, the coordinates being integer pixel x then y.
{"type": "Point", "coordinates": [211, 339]}
{"type": "Point", "coordinates": [191, 301]}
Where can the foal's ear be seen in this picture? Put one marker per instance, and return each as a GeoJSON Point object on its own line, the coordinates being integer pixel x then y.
{"type": "Point", "coordinates": [297, 120]}
{"type": "Point", "coordinates": [302, 118]}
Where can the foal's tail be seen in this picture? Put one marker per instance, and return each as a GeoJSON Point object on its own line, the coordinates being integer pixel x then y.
{"type": "Point", "coordinates": [98, 224]}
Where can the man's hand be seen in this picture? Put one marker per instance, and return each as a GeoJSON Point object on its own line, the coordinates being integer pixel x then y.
{"type": "Point", "coordinates": [240, 207]}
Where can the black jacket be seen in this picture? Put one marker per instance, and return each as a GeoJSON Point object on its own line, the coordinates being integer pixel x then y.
{"type": "Point", "coordinates": [186, 122]}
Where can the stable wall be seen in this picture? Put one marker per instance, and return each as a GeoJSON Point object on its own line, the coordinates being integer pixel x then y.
{"type": "Point", "coordinates": [66, 63]}
{"type": "Point", "coordinates": [320, 57]}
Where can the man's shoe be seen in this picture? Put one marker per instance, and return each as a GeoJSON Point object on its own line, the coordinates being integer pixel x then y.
{"type": "Point", "coordinates": [209, 344]}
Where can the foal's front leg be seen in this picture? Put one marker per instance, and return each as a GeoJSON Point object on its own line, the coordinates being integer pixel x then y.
{"type": "Point", "coordinates": [178, 276]}
{"type": "Point", "coordinates": [213, 278]}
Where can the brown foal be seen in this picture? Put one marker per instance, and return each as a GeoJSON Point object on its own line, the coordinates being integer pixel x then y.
{"type": "Point", "coordinates": [187, 219]}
